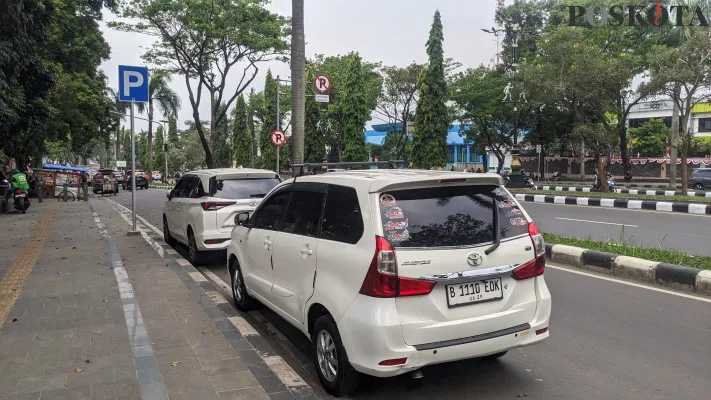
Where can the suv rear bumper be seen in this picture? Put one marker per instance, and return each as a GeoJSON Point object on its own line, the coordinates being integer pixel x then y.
{"type": "Point", "coordinates": [201, 237]}
{"type": "Point", "coordinates": [369, 317]}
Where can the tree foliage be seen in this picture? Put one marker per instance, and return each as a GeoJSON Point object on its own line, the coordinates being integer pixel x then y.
{"type": "Point", "coordinates": [431, 118]}
{"type": "Point", "coordinates": [649, 139]}
{"type": "Point", "coordinates": [355, 113]}
{"type": "Point", "coordinates": [205, 42]}
{"type": "Point", "coordinates": [241, 139]}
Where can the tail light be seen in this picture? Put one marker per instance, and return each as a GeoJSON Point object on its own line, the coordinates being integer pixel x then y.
{"type": "Point", "coordinates": [18, 191]}
{"type": "Point", "coordinates": [536, 266]}
{"type": "Point", "coordinates": [215, 205]}
{"type": "Point", "coordinates": [382, 279]}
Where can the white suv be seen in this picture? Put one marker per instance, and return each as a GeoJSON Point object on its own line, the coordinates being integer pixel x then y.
{"type": "Point", "coordinates": [200, 209]}
{"type": "Point", "coordinates": [387, 271]}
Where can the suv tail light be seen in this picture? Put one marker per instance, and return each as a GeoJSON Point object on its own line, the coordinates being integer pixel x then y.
{"type": "Point", "coordinates": [536, 266]}
{"type": "Point", "coordinates": [215, 205]}
{"type": "Point", "coordinates": [18, 191]}
{"type": "Point", "coordinates": [382, 279]}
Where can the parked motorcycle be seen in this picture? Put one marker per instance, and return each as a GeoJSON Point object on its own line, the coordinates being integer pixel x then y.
{"type": "Point", "coordinates": [21, 201]}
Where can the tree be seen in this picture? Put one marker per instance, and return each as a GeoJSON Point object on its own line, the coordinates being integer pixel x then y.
{"type": "Point", "coordinates": [223, 143]}
{"type": "Point", "coordinates": [314, 138]}
{"type": "Point", "coordinates": [298, 86]}
{"type": "Point", "coordinates": [397, 102]}
{"type": "Point", "coordinates": [355, 113]}
{"type": "Point", "coordinates": [649, 139]}
{"type": "Point", "coordinates": [268, 150]}
{"type": "Point", "coordinates": [126, 146]}
{"type": "Point", "coordinates": [204, 44]}
{"type": "Point", "coordinates": [241, 140]}
{"type": "Point", "coordinates": [168, 102]}
{"type": "Point", "coordinates": [142, 152]}
{"type": "Point", "coordinates": [477, 95]}
{"type": "Point", "coordinates": [431, 118]}
{"type": "Point", "coordinates": [684, 74]}
{"type": "Point", "coordinates": [173, 130]}
{"type": "Point", "coordinates": [160, 153]}
{"type": "Point", "coordinates": [253, 105]}
{"type": "Point", "coordinates": [600, 140]}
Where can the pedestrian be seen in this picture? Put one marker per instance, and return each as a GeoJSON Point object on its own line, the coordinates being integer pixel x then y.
{"type": "Point", "coordinates": [478, 170]}
{"type": "Point", "coordinates": [452, 169]}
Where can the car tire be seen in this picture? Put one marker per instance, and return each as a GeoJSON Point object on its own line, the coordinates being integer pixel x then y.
{"type": "Point", "coordinates": [243, 301]}
{"type": "Point", "coordinates": [167, 238]}
{"type": "Point", "coordinates": [195, 255]}
{"type": "Point", "coordinates": [496, 356]}
{"type": "Point", "coordinates": [698, 186]}
{"type": "Point", "coordinates": [328, 349]}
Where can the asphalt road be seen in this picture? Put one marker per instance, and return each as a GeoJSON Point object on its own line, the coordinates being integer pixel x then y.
{"type": "Point", "coordinates": [609, 340]}
{"type": "Point", "coordinates": [684, 232]}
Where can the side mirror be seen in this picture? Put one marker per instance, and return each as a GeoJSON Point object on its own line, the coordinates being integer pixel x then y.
{"type": "Point", "coordinates": [242, 218]}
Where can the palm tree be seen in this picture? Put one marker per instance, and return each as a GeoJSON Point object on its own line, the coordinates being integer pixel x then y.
{"type": "Point", "coordinates": [298, 87]}
{"type": "Point", "coordinates": [168, 102]}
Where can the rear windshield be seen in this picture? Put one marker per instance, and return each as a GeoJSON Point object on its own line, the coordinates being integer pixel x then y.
{"type": "Point", "coordinates": [449, 216]}
{"type": "Point", "coordinates": [243, 188]}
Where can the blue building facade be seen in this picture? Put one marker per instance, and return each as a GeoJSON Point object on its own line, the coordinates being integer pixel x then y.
{"type": "Point", "coordinates": [460, 153]}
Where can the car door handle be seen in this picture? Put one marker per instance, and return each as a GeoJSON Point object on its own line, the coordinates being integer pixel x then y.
{"type": "Point", "coordinates": [307, 252]}
{"type": "Point", "coordinates": [267, 243]}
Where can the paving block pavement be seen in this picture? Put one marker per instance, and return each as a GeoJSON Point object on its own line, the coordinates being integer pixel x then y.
{"type": "Point", "coordinates": [91, 313]}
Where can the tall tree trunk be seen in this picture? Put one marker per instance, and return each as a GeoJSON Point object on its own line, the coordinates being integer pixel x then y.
{"type": "Point", "coordinates": [601, 173]}
{"type": "Point", "coordinates": [209, 159]}
{"type": "Point", "coordinates": [582, 161]}
{"type": "Point", "coordinates": [213, 126]}
{"type": "Point", "coordinates": [673, 137]}
{"type": "Point", "coordinates": [298, 86]}
{"type": "Point", "coordinates": [622, 132]}
{"type": "Point", "coordinates": [685, 141]}
{"type": "Point", "coordinates": [150, 137]}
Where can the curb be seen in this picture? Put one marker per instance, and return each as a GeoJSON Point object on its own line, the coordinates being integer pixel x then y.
{"type": "Point", "coordinates": [691, 193]}
{"type": "Point", "coordinates": [272, 372]}
{"type": "Point", "coordinates": [688, 279]}
{"type": "Point", "coordinates": [160, 186]}
{"type": "Point", "coordinates": [623, 184]}
{"type": "Point", "coordinates": [687, 208]}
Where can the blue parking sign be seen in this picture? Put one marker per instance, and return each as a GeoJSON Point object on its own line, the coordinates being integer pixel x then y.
{"type": "Point", "coordinates": [133, 83]}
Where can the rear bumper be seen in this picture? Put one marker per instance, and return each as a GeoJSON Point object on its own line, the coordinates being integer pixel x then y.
{"type": "Point", "coordinates": [223, 238]}
{"type": "Point", "coordinates": [369, 317]}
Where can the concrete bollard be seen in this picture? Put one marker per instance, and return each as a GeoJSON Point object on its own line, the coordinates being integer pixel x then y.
{"type": "Point", "coordinates": [65, 190]}
{"type": "Point", "coordinates": [40, 191]}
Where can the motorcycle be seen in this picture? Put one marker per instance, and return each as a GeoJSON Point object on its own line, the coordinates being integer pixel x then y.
{"type": "Point", "coordinates": [22, 202]}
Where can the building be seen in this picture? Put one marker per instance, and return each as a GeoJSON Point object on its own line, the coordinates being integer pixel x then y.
{"type": "Point", "coordinates": [460, 153]}
{"type": "Point", "coordinates": [699, 121]}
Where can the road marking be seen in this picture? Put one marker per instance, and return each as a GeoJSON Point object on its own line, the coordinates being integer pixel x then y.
{"type": "Point", "coordinates": [243, 326]}
{"type": "Point", "coordinates": [284, 372]}
{"type": "Point", "coordinates": [197, 277]}
{"type": "Point", "coordinates": [148, 224]}
{"type": "Point", "coordinates": [14, 279]}
{"type": "Point", "coordinates": [597, 222]}
{"type": "Point", "coordinates": [605, 278]}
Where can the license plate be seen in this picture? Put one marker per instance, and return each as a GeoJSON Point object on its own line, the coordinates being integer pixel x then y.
{"type": "Point", "coordinates": [474, 292]}
{"type": "Point", "coordinates": [19, 195]}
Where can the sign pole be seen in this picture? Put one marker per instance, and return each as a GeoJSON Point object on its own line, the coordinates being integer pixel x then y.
{"type": "Point", "coordinates": [165, 155]}
{"type": "Point", "coordinates": [277, 121]}
{"type": "Point", "coordinates": [133, 175]}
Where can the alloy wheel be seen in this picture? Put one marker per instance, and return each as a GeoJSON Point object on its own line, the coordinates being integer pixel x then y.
{"type": "Point", "coordinates": [327, 355]}
{"type": "Point", "coordinates": [237, 285]}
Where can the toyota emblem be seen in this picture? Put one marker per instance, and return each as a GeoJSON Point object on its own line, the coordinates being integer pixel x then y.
{"type": "Point", "coordinates": [253, 203]}
{"type": "Point", "coordinates": [474, 259]}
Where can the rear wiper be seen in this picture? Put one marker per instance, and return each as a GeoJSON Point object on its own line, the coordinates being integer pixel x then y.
{"type": "Point", "coordinates": [497, 231]}
{"type": "Point", "coordinates": [259, 195]}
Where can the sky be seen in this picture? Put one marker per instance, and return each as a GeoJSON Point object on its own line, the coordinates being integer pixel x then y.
{"type": "Point", "coordinates": [393, 32]}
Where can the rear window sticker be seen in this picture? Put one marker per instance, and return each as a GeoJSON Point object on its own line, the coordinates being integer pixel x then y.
{"type": "Point", "coordinates": [518, 221]}
{"type": "Point", "coordinates": [515, 213]}
{"type": "Point", "coordinates": [387, 200]}
{"type": "Point", "coordinates": [394, 213]}
{"type": "Point", "coordinates": [395, 225]}
{"type": "Point", "coordinates": [399, 236]}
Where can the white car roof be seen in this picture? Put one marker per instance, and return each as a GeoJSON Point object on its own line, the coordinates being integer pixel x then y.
{"type": "Point", "coordinates": [206, 174]}
{"type": "Point", "coordinates": [377, 180]}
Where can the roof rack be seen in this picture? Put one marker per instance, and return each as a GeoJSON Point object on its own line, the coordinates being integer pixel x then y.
{"type": "Point", "coordinates": [392, 164]}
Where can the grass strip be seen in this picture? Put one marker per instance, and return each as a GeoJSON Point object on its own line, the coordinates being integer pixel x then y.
{"type": "Point", "coordinates": [627, 249]}
{"type": "Point", "coordinates": [678, 199]}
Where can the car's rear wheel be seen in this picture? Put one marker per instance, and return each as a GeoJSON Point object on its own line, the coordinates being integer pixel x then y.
{"type": "Point", "coordinates": [196, 256]}
{"type": "Point", "coordinates": [332, 365]}
{"type": "Point", "coordinates": [698, 186]}
{"type": "Point", "coordinates": [166, 233]}
{"type": "Point", "coordinates": [243, 301]}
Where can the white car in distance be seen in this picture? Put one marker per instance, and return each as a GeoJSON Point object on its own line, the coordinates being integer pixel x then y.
{"type": "Point", "coordinates": [201, 208]}
{"type": "Point", "coordinates": [387, 271]}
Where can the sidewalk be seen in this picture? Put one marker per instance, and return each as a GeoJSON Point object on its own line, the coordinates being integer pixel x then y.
{"type": "Point", "coordinates": [100, 315]}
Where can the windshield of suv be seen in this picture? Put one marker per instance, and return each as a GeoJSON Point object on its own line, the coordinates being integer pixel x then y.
{"type": "Point", "coordinates": [449, 216]}
{"type": "Point", "coordinates": [244, 188]}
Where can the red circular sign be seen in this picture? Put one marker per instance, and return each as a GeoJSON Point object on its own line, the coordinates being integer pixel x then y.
{"type": "Point", "coordinates": [278, 138]}
{"type": "Point", "coordinates": [322, 83]}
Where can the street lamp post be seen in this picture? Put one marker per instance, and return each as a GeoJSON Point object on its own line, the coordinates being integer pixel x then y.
{"type": "Point", "coordinates": [516, 180]}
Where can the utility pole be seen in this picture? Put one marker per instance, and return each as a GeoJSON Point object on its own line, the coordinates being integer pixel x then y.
{"type": "Point", "coordinates": [515, 177]}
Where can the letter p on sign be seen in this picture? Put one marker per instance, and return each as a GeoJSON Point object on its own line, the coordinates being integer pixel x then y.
{"type": "Point", "coordinates": [133, 83]}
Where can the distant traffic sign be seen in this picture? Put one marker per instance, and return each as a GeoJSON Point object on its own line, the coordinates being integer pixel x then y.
{"type": "Point", "coordinates": [322, 83]}
{"type": "Point", "coordinates": [538, 148]}
{"type": "Point", "coordinates": [278, 138]}
{"type": "Point", "coordinates": [133, 83]}
{"type": "Point", "coordinates": [321, 98]}
{"type": "Point", "coordinates": [121, 164]}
